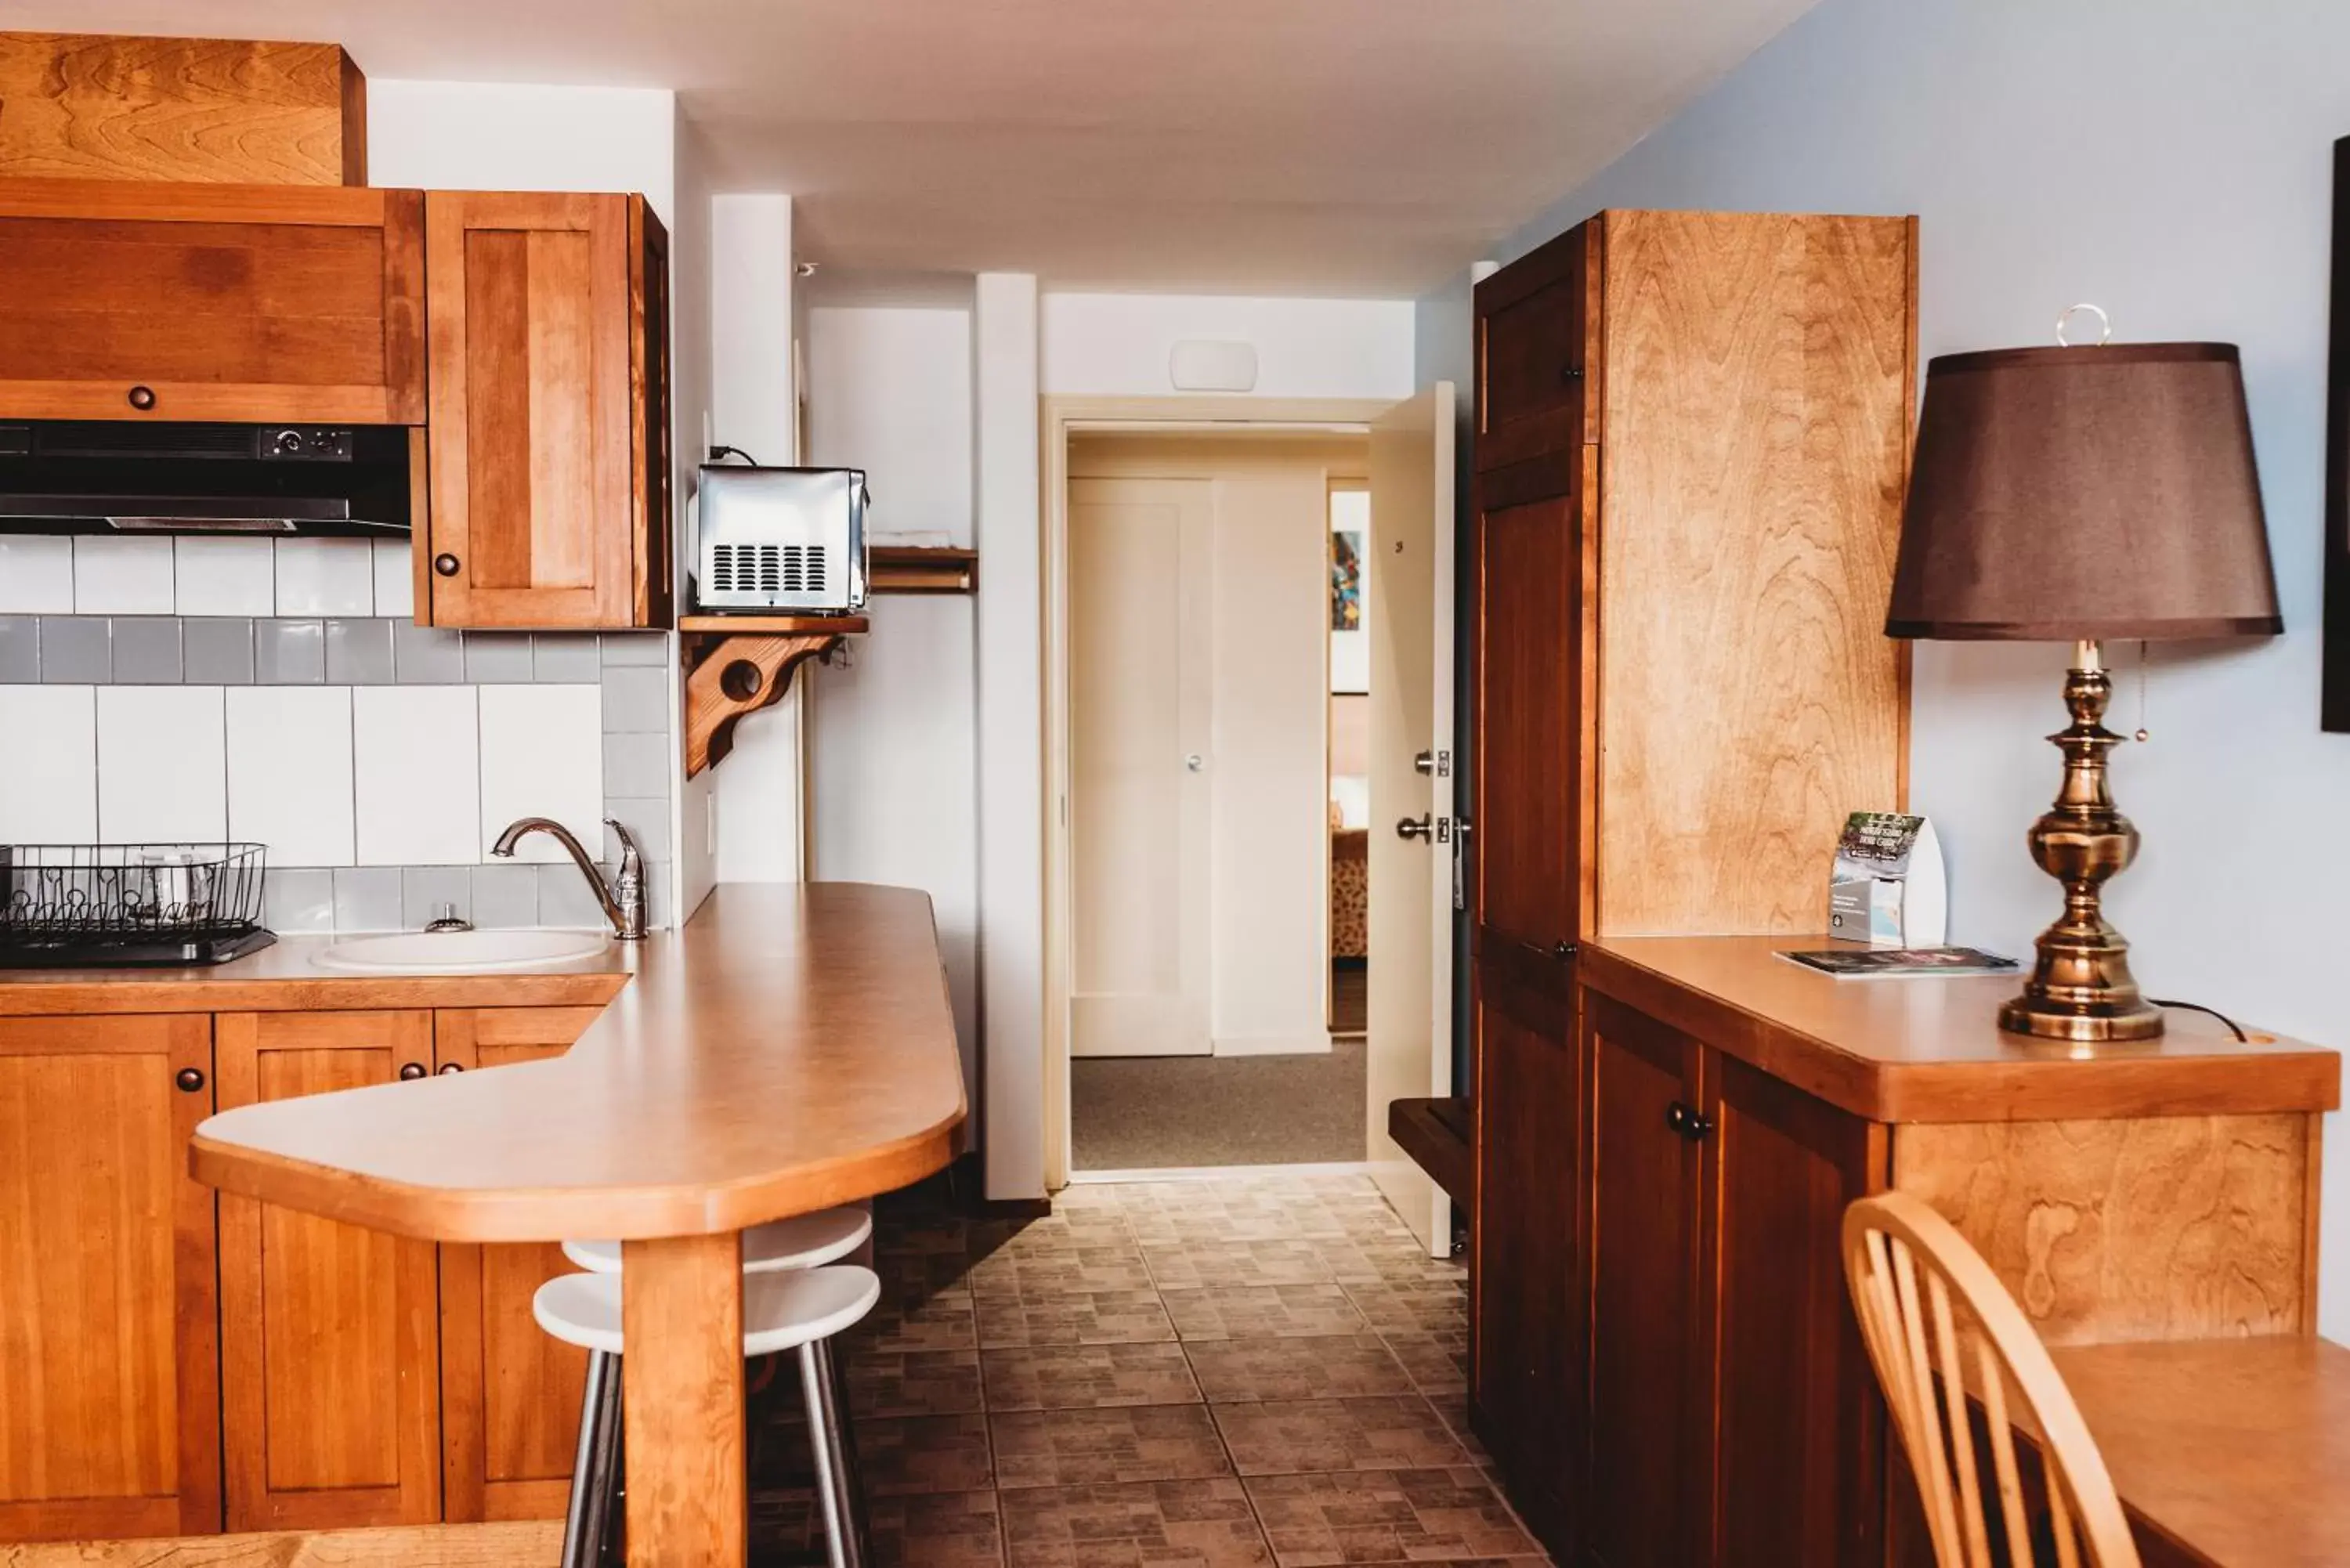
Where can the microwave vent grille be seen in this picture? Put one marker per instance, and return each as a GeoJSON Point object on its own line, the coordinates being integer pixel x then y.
{"type": "Point", "coordinates": [768, 569]}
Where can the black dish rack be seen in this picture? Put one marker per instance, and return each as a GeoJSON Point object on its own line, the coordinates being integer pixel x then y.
{"type": "Point", "coordinates": [86, 904]}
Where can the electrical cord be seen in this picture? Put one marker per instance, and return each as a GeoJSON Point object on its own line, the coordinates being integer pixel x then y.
{"type": "Point", "coordinates": [2233, 1027]}
{"type": "Point", "coordinates": [720, 453]}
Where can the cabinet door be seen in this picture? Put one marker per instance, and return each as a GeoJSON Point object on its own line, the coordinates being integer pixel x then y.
{"type": "Point", "coordinates": [1649, 1460]}
{"type": "Point", "coordinates": [1527, 1360]}
{"type": "Point", "coordinates": [1532, 717]}
{"type": "Point", "coordinates": [535, 395]}
{"type": "Point", "coordinates": [509, 1391]}
{"type": "Point", "coordinates": [1536, 327]}
{"type": "Point", "coordinates": [1796, 1423]}
{"type": "Point", "coordinates": [328, 1345]}
{"type": "Point", "coordinates": [131, 301]}
{"type": "Point", "coordinates": [109, 1389]}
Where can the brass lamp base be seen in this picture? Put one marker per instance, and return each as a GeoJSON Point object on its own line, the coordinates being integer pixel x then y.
{"type": "Point", "coordinates": [2081, 988]}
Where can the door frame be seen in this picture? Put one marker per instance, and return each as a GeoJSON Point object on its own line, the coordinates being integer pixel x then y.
{"type": "Point", "coordinates": [1061, 416]}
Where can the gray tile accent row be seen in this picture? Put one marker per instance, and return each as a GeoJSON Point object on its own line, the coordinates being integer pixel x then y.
{"type": "Point", "coordinates": [367, 650]}
{"type": "Point", "coordinates": [354, 898]}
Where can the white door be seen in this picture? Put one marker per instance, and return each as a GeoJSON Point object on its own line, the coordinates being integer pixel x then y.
{"type": "Point", "coordinates": [1139, 715]}
{"type": "Point", "coordinates": [1410, 615]}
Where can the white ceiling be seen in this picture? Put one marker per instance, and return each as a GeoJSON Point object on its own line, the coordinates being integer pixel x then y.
{"type": "Point", "coordinates": [1366, 146]}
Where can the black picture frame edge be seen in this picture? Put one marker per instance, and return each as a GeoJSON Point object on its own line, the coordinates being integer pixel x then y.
{"type": "Point", "coordinates": [2334, 699]}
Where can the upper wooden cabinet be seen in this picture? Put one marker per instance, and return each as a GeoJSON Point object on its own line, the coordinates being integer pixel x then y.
{"type": "Point", "coordinates": [548, 430]}
{"type": "Point", "coordinates": [110, 1403]}
{"type": "Point", "coordinates": [124, 300]}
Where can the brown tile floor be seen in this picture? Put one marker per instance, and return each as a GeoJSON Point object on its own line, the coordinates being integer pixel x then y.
{"type": "Point", "coordinates": [1260, 1372]}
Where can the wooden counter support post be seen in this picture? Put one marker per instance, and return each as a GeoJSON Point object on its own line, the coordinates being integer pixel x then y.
{"type": "Point", "coordinates": [683, 1449]}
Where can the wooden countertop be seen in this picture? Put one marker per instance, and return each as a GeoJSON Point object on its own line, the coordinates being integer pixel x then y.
{"type": "Point", "coordinates": [2231, 1451]}
{"type": "Point", "coordinates": [792, 1047]}
{"type": "Point", "coordinates": [1933, 1051]}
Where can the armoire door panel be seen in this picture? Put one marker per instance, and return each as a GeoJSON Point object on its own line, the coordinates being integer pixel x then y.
{"type": "Point", "coordinates": [109, 1392]}
{"type": "Point", "coordinates": [1647, 1475]}
{"type": "Point", "coordinates": [329, 1350]}
{"type": "Point", "coordinates": [1529, 724]}
{"type": "Point", "coordinates": [1796, 1424]}
{"type": "Point", "coordinates": [1527, 1358]}
{"type": "Point", "coordinates": [509, 1392]}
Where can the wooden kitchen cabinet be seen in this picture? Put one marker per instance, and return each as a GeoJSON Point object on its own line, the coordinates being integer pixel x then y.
{"type": "Point", "coordinates": [130, 300]}
{"type": "Point", "coordinates": [109, 1393]}
{"type": "Point", "coordinates": [509, 1391]}
{"type": "Point", "coordinates": [329, 1333]}
{"type": "Point", "coordinates": [548, 428]}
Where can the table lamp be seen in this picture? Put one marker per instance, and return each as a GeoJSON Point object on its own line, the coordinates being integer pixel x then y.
{"type": "Point", "coordinates": [2075, 495]}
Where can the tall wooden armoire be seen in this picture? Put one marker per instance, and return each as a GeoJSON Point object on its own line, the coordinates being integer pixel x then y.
{"type": "Point", "coordinates": [1692, 435]}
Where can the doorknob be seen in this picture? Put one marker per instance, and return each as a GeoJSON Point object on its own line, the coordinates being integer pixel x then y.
{"type": "Point", "coordinates": [1435, 765]}
{"type": "Point", "coordinates": [1421, 828]}
{"type": "Point", "coordinates": [1196, 762]}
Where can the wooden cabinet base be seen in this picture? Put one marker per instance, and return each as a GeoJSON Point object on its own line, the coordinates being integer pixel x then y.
{"type": "Point", "coordinates": [533, 1543]}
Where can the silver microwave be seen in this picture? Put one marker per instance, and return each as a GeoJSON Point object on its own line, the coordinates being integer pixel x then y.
{"type": "Point", "coordinates": [780, 539]}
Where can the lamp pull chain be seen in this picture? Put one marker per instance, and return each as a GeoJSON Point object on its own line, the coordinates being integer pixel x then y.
{"type": "Point", "coordinates": [2143, 736]}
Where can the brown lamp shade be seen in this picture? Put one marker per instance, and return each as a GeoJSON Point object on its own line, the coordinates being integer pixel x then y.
{"type": "Point", "coordinates": [2068, 493]}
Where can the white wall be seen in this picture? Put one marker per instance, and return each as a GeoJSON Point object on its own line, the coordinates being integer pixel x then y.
{"type": "Point", "coordinates": [894, 745]}
{"type": "Point", "coordinates": [2170, 160]}
{"type": "Point", "coordinates": [1119, 343]}
{"type": "Point", "coordinates": [1007, 527]}
{"type": "Point", "coordinates": [502, 136]}
{"type": "Point", "coordinates": [757, 798]}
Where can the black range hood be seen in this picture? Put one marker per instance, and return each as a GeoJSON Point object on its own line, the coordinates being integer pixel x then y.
{"type": "Point", "coordinates": [283, 481]}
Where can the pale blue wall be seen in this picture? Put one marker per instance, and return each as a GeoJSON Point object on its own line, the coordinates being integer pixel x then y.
{"type": "Point", "coordinates": [2170, 159]}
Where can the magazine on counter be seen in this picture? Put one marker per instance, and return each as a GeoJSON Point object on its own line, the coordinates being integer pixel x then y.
{"type": "Point", "coordinates": [1899, 963]}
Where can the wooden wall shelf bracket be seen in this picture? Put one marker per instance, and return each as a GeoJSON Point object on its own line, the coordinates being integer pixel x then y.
{"type": "Point", "coordinates": [744, 667]}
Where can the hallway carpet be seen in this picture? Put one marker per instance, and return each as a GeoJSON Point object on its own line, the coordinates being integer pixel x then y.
{"type": "Point", "coordinates": [1148, 1113]}
{"type": "Point", "coordinates": [1240, 1373]}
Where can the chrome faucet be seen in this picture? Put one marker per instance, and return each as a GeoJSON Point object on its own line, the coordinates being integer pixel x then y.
{"type": "Point", "coordinates": [622, 898]}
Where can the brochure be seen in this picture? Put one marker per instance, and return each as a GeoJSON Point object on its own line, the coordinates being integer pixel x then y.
{"type": "Point", "coordinates": [1891, 963]}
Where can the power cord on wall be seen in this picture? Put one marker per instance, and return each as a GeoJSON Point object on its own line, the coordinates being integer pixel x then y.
{"type": "Point", "coordinates": [720, 453]}
{"type": "Point", "coordinates": [2233, 1027]}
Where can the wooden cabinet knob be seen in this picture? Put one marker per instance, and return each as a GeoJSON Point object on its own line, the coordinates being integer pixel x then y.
{"type": "Point", "coordinates": [448, 1067]}
{"type": "Point", "coordinates": [142, 398]}
{"type": "Point", "coordinates": [189, 1079]}
{"type": "Point", "coordinates": [411, 1071]}
{"type": "Point", "coordinates": [445, 564]}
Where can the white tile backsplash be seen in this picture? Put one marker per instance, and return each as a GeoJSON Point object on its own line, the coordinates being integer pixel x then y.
{"type": "Point", "coordinates": [326, 577]}
{"type": "Point", "coordinates": [542, 755]}
{"type": "Point", "coordinates": [395, 583]}
{"type": "Point", "coordinates": [36, 575]}
{"type": "Point", "coordinates": [48, 783]}
{"type": "Point", "coordinates": [225, 576]}
{"type": "Point", "coordinates": [161, 763]}
{"type": "Point", "coordinates": [117, 575]}
{"type": "Point", "coordinates": [289, 773]}
{"type": "Point", "coordinates": [417, 775]}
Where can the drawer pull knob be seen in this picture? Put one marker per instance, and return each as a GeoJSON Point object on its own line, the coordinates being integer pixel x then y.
{"type": "Point", "coordinates": [1681, 1119]}
{"type": "Point", "coordinates": [411, 1071]}
{"type": "Point", "coordinates": [445, 564]}
{"type": "Point", "coordinates": [189, 1079]}
{"type": "Point", "coordinates": [448, 1067]}
{"type": "Point", "coordinates": [142, 398]}
{"type": "Point", "coordinates": [1563, 951]}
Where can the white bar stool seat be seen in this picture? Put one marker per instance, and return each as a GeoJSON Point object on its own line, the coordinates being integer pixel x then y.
{"type": "Point", "coordinates": [782, 1309]}
{"type": "Point", "coordinates": [802, 1242]}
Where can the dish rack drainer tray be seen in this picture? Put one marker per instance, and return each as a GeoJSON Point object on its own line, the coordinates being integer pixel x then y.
{"type": "Point", "coordinates": [129, 903]}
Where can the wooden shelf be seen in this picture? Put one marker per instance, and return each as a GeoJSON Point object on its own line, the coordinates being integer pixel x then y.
{"type": "Point", "coordinates": [773, 624]}
{"type": "Point", "coordinates": [738, 664]}
{"type": "Point", "coordinates": [1435, 1133]}
{"type": "Point", "coordinates": [924, 569]}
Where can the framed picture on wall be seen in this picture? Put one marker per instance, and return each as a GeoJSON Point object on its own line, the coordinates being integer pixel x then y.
{"type": "Point", "coordinates": [2333, 702]}
{"type": "Point", "coordinates": [1350, 666]}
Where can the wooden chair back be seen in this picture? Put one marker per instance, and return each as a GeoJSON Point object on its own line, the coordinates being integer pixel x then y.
{"type": "Point", "coordinates": [1939, 1326]}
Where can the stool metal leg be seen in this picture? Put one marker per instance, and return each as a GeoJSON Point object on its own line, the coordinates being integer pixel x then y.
{"type": "Point", "coordinates": [835, 1456]}
{"type": "Point", "coordinates": [583, 1520]}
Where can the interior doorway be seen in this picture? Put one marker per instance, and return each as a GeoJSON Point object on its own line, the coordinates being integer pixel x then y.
{"type": "Point", "coordinates": [1214, 755]}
